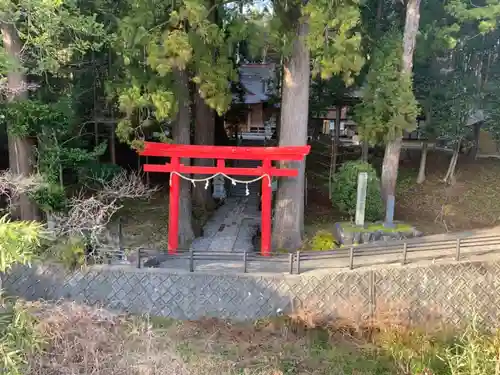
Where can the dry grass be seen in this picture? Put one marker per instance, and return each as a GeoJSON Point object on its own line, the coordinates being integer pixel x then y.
{"type": "Point", "coordinates": [85, 340]}
{"type": "Point", "coordinates": [277, 346]}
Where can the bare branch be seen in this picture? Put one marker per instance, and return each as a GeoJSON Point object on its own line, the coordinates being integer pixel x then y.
{"type": "Point", "coordinates": [89, 216]}
{"type": "Point", "coordinates": [13, 185]}
{"type": "Point", "coordinates": [126, 186]}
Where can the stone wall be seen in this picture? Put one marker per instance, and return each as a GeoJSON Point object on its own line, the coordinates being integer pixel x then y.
{"type": "Point", "coordinates": [453, 292]}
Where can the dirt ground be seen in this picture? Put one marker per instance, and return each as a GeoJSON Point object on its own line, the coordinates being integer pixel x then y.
{"type": "Point", "coordinates": [473, 202]}
{"type": "Point", "coordinates": [145, 222]}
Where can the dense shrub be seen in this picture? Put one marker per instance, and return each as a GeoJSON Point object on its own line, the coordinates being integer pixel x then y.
{"type": "Point", "coordinates": [344, 190]}
{"type": "Point", "coordinates": [18, 243]}
{"type": "Point", "coordinates": [95, 171]}
{"type": "Point", "coordinates": [50, 198]}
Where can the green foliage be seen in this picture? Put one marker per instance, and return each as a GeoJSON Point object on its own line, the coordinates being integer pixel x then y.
{"type": "Point", "coordinates": [388, 106]}
{"type": "Point", "coordinates": [70, 252]}
{"type": "Point", "coordinates": [334, 38]}
{"type": "Point", "coordinates": [344, 190]}
{"type": "Point", "coordinates": [153, 44]}
{"type": "Point", "coordinates": [323, 241]}
{"type": "Point", "coordinates": [456, 73]}
{"type": "Point", "coordinates": [51, 32]}
{"type": "Point", "coordinates": [474, 353]}
{"type": "Point", "coordinates": [29, 117]}
{"type": "Point", "coordinates": [416, 351]}
{"type": "Point", "coordinates": [99, 172]}
{"type": "Point", "coordinates": [455, 100]}
{"type": "Point", "coordinates": [413, 350]}
{"type": "Point", "coordinates": [18, 242]}
{"type": "Point", "coordinates": [60, 146]}
{"type": "Point", "coordinates": [50, 198]}
{"type": "Point", "coordinates": [18, 337]}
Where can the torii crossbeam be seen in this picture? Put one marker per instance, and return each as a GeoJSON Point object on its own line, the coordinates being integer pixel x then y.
{"type": "Point", "coordinates": [221, 154]}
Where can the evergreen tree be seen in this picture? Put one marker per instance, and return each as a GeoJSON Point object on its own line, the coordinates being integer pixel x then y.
{"type": "Point", "coordinates": [322, 35]}
{"type": "Point", "coordinates": [39, 39]}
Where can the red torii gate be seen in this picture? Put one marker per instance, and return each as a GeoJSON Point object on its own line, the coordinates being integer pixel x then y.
{"type": "Point", "coordinates": [222, 153]}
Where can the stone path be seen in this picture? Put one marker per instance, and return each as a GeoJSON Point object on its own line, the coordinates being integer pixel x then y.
{"type": "Point", "coordinates": [232, 227]}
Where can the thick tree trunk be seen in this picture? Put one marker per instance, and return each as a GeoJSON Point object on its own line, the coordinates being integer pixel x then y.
{"type": "Point", "coordinates": [220, 135]}
{"type": "Point", "coordinates": [335, 148]}
{"type": "Point", "coordinates": [390, 167]}
{"type": "Point", "coordinates": [475, 148]}
{"type": "Point", "coordinates": [423, 163]}
{"type": "Point", "coordinates": [21, 160]}
{"type": "Point", "coordinates": [364, 151]}
{"type": "Point", "coordinates": [289, 217]}
{"type": "Point", "coordinates": [204, 134]}
{"type": "Point", "coordinates": [182, 135]}
{"type": "Point", "coordinates": [338, 115]}
{"type": "Point", "coordinates": [112, 143]}
{"type": "Point", "coordinates": [391, 157]}
{"type": "Point", "coordinates": [204, 131]}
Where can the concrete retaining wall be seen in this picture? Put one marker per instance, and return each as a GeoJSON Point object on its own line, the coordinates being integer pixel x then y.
{"type": "Point", "coordinates": [453, 291]}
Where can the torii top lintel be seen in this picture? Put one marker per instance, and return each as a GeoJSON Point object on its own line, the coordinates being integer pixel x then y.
{"type": "Point", "coordinates": [292, 153]}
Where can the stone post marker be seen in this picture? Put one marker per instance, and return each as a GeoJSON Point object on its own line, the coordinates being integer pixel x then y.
{"type": "Point", "coordinates": [389, 212]}
{"type": "Point", "coordinates": [361, 199]}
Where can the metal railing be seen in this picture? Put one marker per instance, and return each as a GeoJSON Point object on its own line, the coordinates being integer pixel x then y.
{"type": "Point", "coordinates": [402, 252]}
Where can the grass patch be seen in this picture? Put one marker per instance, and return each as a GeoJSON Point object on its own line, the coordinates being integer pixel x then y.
{"type": "Point", "coordinates": [375, 227]}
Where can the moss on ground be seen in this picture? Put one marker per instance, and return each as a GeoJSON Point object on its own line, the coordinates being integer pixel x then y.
{"type": "Point", "coordinates": [323, 241]}
{"type": "Point", "coordinates": [376, 227]}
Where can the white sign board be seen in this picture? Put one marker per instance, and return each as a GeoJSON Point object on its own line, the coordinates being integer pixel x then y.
{"type": "Point", "coordinates": [361, 199]}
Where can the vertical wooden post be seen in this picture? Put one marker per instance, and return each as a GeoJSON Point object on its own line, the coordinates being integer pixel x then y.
{"type": "Point", "coordinates": [173, 213]}
{"type": "Point", "coordinates": [112, 144]}
{"type": "Point", "coordinates": [266, 220]}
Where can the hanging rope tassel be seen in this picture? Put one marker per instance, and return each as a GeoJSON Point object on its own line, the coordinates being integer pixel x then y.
{"type": "Point", "coordinates": [233, 180]}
